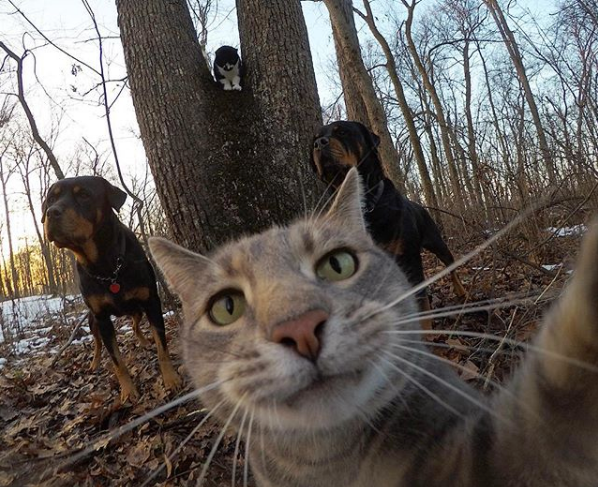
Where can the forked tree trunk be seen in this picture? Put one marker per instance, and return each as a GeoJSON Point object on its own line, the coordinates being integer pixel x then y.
{"type": "Point", "coordinates": [224, 162]}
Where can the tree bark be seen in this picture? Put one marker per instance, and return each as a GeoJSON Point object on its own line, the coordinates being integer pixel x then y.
{"type": "Point", "coordinates": [347, 43]}
{"type": "Point", "coordinates": [224, 162]}
{"type": "Point", "coordinates": [354, 102]}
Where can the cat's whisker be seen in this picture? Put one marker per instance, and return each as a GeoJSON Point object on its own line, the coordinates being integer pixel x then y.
{"type": "Point", "coordinates": [421, 387]}
{"type": "Point", "coordinates": [501, 302]}
{"type": "Point", "coordinates": [247, 442]}
{"type": "Point", "coordinates": [237, 444]}
{"type": "Point", "coordinates": [462, 260]}
{"type": "Point", "coordinates": [105, 439]}
{"type": "Point", "coordinates": [416, 317]}
{"type": "Point", "coordinates": [208, 461]}
{"type": "Point", "coordinates": [460, 347]}
{"type": "Point", "coordinates": [387, 379]}
{"type": "Point", "coordinates": [514, 343]}
{"type": "Point", "coordinates": [496, 385]}
{"type": "Point", "coordinates": [183, 443]}
{"type": "Point", "coordinates": [480, 404]}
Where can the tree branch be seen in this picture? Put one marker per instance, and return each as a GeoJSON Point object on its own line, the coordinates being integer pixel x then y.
{"type": "Point", "coordinates": [34, 130]}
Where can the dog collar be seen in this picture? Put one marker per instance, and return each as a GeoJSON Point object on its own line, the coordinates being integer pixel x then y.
{"type": "Point", "coordinates": [114, 286]}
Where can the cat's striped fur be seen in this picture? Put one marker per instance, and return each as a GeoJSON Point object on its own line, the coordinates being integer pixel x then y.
{"type": "Point", "coordinates": [373, 410]}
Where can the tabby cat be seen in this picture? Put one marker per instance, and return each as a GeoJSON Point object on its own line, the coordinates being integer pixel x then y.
{"type": "Point", "coordinates": [310, 339]}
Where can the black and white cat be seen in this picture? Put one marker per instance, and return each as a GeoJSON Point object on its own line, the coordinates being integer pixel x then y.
{"type": "Point", "coordinates": [228, 68]}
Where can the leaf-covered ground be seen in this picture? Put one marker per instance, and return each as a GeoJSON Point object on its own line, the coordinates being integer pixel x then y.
{"type": "Point", "coordinates": [49, 413]}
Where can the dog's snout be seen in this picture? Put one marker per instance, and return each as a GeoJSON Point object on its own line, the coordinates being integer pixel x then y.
{"type": "Point", "coordinates": [54, 212]}
{"type": "Point", "coordinates": [321, 142]}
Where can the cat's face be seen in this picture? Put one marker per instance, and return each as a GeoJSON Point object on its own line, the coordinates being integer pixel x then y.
{"type": "Point", "coordinates": [290, 320]}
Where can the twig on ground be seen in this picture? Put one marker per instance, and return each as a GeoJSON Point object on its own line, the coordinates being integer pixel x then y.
{"type": "Point", "coordinates": [70, 340]}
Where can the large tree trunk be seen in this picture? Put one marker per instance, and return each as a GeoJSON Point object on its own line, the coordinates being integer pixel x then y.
{"type": "Point", "coordinates": [224, 162]}
{"type": "Point", "coordinates": [349, 58]}
{"type": "Point", "coordinates": [354, 103]}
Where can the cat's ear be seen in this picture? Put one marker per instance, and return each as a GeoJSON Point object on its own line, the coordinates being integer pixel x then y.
{"type": "Point", "coordinates": [180, 266]}
{"type": "Point", "coordinates": [347, 206]}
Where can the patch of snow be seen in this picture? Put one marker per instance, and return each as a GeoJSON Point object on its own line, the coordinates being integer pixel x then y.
{"type": "Point", "coordinates": [551, 267]}
{"type": "Point", "coordinates": [2, 362]}
{"type": "Point", "coordinates": [573, 231]}
{"type": "Point", "coordinates": [481, 269]}
{"type": "Point", "coordinates": [168, 313]}
{"type": "Point", "coordinates": [20, 315]}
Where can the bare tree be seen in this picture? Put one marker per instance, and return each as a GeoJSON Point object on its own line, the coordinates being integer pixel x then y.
{"type": "Point", "coordinates": [515, 54]}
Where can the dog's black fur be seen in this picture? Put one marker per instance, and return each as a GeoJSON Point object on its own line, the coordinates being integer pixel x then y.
{"type": "Point", "coordinates": [400, 226]}
{"type": "Point", "coordinates": [115, 276]}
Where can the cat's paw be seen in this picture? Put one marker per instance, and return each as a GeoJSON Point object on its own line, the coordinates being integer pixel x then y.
{"type": "Point", "coordinates": [228, 87]}
{"type": "Point", "coordinates": [237, 87]}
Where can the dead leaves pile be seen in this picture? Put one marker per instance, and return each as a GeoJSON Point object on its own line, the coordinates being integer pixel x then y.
{"type": "Point", "coordinates": [48, 414]}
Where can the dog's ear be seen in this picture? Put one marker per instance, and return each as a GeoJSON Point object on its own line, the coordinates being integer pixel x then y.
{"type": "Point", "coordinates": [116, 196]}
{"type": "Point", "coordinates": [375, 140]}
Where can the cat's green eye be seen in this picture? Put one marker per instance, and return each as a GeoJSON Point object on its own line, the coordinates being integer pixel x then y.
{"type": "Point", "coordinates": [227, 307]}
{"type": "Point", "coordinates": [337, 266]}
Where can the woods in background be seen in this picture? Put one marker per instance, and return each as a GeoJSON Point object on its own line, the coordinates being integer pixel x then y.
{"type": "Point", "coordinates": [482, 107]}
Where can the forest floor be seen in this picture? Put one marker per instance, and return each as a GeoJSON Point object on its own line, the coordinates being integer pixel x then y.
{"type": "Point", "coordinates": [50, 412]}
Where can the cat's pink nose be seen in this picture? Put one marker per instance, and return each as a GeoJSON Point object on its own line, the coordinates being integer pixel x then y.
{"type": "Point", "coordinates": [302, 333]}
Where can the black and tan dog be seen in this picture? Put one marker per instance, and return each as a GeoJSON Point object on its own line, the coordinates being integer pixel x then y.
{"type": "Point", "coordinates": [115, 276]}
{"type": "Point", "coordinates": [399, 225]}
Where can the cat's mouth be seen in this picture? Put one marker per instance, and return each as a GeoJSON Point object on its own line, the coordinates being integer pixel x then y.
{"type": "Point", "coordinates": [324, 384]}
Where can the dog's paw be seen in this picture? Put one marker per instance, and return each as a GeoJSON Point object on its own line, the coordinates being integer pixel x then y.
{"type": "Point", "coordinates": [128, 393]}
{"type": "Point", "coordinates": [228, 87]}
{"type": "Point", "coordinates": [237, 88]}
{"type": "Point", "coordinates": [172, 380]}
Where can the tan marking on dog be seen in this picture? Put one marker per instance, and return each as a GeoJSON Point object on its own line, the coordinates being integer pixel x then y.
{"type": "Point", "coordinates": [56, 191]}
{"type": "Point", "coordinates": [76, 189]}
{"type": "Point", "coordinates": [127, 387]}
{"type": "Point", "coordinates": [97, 302]}
{"type": "Point", "coordinates": [140, 293]}
{"type": "Point", "coordinates": [87, 253]}
{"type": "Point", "coordinates": [99, 216]}
{"type": "Point", "coordinates": [144, 342]}
{"type": "Point", "coordinates": [457, 285]}
{"type": "Point", "coordinates": [172, 380]}
{"type": "Point", "coordinates": [97, 348]}
{"type": "Point", "coordinates": [395, 247]}
{"type": "Point", "coordinates": [341, 156]}
{"type": "Point", "coordinates": [317, 155]}
{"type": "Point", "coordinates": [426, 322]}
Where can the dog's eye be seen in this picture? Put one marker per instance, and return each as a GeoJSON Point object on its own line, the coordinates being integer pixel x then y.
{"type": "Point", "coordinates": [337, 265]}
{"type": "Point", "coordinates": [226, 307]}
{"type": "Point", "coordinates": [50, 199]}
{"type": "Point", "coordinates": [83, 195]}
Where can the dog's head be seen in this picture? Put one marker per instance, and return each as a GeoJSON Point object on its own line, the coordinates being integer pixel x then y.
{"type": "Point", "coordinates": [74, 209]}
{"type": "Point", "coordinates": [339, 146]}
